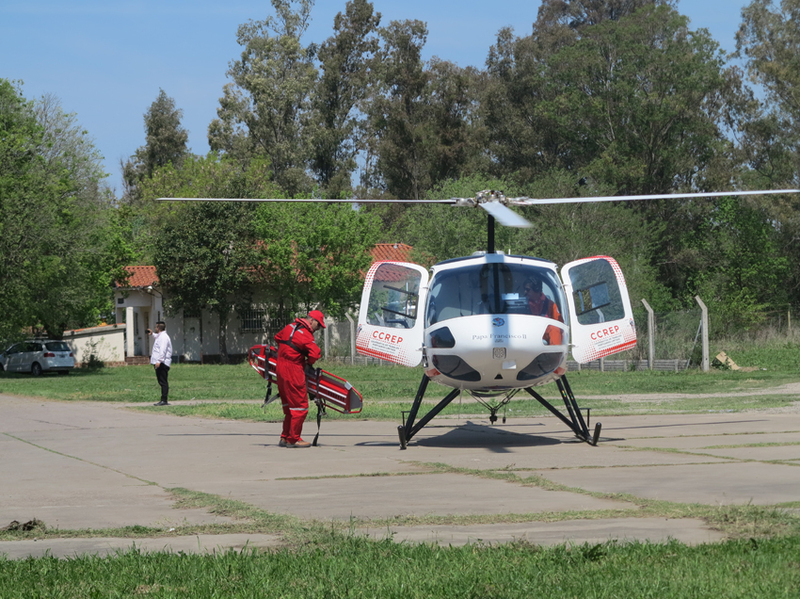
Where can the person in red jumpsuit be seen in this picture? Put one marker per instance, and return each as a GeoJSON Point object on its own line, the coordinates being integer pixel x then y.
{"type": "Point", "coordinates": [296, 349]}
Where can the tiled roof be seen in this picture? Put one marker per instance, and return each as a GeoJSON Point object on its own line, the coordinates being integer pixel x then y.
{"type": "Point", "coordinates": [145, 276]}
{"type": "Point", "coordinates": [141, 276]}
{"type": "Point", "coordinates": [396, 252]}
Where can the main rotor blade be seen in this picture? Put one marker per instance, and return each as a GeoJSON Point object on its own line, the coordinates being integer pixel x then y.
{"type": "Point", "coordinates": [314, 200]}
{"type": "Point", "coordinates": [504, 215]}
{"type": "Point", "coordinates": [663, 196]}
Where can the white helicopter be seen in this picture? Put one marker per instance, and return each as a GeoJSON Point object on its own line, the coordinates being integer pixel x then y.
{"type": "Point", "coordinates": [493, 324]}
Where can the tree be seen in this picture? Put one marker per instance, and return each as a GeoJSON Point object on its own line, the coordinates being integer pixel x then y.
{"type": "Point", "coordinates": [60, 245]}
{"type": "Point", "coordinates": [769, 135]}
{"type": "Point", "coordinates": [578, 14]}
{"type": "Point", "coordinates": [770, 39]}
{"type": "Point", "coordinates": [444, 232]}
{"type": "Point", "coordinates": [165, 143]}
{"type": "Point", "coordinates": [314, 254]}
{"type": "Point", "coordinates": [204, 252]}
{"type": "Point", "coordinates": [634, 101]}
{"type": "Point", "coordinates": [346, 76]}
{"type": "Point", "coordinates": [624, 95]}
{"type": "Point", "coordinates": [646, 96]}
{"type": "Point", "coordinates": [397, 112]}
{"type": "Point", "coordinates": [20, 190]}
{"type": "Point", "coordinates": [749, 271]}
{"type": "Point", "coordinates": [265, 111]}
{"type": "Point", "coordinates": [422, 117]}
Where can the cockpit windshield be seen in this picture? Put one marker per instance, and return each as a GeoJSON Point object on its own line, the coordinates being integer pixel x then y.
{"type": "Point", "coordinates": [496, 288]}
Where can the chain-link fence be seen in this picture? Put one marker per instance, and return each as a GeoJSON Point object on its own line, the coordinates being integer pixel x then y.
{"type": "Point", "coordinates": [677, 340]}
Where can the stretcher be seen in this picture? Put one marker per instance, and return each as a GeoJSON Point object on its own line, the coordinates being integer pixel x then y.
{"type": "Point", "coordinates": [332, 391]}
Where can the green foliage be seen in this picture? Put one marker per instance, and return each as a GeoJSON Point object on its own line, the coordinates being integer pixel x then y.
{"type": "Point", "coordinates": [443, 232]}
{"type": "Point", "coordinates": [769, 39]}
{"type": "Point", "coordinates": [58, 234]}
{"type": "Point", "coordinates": [314, 254]}
{"type": "Point", "coordinates": [344, 566]}
{"type": "Point", "coordinates": [165, 143]}
{"type": "Point", "coordinates": [20, 187]}
{"type": "Point", "coordinates": [747, 271]}
{"type": "Point", "coordinates": [203, 256]}
{"type": "Point", "coordinates": [421, 116]}
{"type": "Point", "coordinates": [346, 76]}
{"type": "Point", "coordinates": [265, 111]}
{"type": "Point", "coordinates": [644, 97]}
{"type": "Point", "coordinates": [204, 252]}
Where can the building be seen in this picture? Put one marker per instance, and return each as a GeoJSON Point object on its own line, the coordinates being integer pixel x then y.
{"type": "Point", "coordinates": [139, 304]}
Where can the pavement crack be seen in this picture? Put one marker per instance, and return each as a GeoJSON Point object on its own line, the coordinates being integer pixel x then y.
{"type": "Point", "coordinates": [79, 459]}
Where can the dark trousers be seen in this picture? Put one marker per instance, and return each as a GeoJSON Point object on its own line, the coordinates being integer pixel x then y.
{"type": "Point", "coordinates": [162, 373]}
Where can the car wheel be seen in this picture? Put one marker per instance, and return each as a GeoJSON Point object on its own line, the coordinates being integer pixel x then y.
{"type": "Point", "coordinates": [36, 369]}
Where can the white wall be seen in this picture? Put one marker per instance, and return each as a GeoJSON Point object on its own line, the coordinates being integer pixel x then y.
{"type": "Point", "coordinates": [107, 343]}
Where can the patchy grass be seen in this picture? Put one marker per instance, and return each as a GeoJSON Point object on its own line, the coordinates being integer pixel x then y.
{"type": "Point", "coordinates": [356, 567]}
{"type": "Point", "coordinates": [137, 384]}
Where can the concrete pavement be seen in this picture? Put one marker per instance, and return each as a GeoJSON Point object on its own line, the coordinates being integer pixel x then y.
{"type": "Point", "coordinates": [96, 466]}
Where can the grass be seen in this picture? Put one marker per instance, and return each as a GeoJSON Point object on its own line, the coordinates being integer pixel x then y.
{"type": "Point", "coordinates": [236, 392]}
{"type": "Point", "coordinates": [216, 383]}
{"type": "Point", "coordinates": [332, 560]}
{"type": "Point", "coordinates": [355, 567]}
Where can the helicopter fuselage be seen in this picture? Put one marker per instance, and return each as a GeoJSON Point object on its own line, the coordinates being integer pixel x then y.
{"type": "Point", "coordinates": [485, 332]}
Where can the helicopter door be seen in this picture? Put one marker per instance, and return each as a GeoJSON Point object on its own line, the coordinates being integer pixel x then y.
{"type": "Point", "coordinates": [391, 318]}
{"type": "Point", "coordinates": [601, 318]}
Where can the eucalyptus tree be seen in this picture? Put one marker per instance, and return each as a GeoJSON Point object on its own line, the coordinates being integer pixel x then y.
{"type": "Point", "coordinates": [266, 109]}
{"type": "Point", "coordinates": [398, 152]}
{"type": "Point", "coordinates": [422, 116]}
{"type": "Point", "coordinates": [165, 143]}
{"type": "Point", "coordinates": [624, 92]}
{"type": "Point", "coordinates": [346, 64]}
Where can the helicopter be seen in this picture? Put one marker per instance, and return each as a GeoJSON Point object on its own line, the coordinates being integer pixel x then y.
{"type": "Point", "coordinates": [494, 325]}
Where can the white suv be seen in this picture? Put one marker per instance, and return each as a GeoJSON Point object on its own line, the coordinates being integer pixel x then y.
{"type": "Point", "coordinates": [38, 356]}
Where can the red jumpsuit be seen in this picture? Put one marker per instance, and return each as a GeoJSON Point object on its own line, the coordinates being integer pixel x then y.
{"type": "Point", "coordinates": [296, 348]}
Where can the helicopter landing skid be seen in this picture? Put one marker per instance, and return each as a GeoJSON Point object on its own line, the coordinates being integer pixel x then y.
{"type": "Point", "coordinates": [410, 428]}
{"type": "Point", "coordinates": [575, 422]}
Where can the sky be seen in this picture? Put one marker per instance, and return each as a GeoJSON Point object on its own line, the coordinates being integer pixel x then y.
{"type": "Point", "coordinates": [106, 60]}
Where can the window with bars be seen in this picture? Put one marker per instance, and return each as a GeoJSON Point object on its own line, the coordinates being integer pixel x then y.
{"type": "Point", "coordinates": [253, 320]}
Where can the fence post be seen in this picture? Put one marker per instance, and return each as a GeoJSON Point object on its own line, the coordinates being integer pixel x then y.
{"type": "Point", "coordinates": [352, 338]}
{"type": "Point", "coordinates": [651, 335]}
{"type": "Point", "coordinates": [706, 362]}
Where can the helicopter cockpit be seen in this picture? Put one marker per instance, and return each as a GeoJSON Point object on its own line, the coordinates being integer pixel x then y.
{"type": "Point", "coordinates": [491, 288]}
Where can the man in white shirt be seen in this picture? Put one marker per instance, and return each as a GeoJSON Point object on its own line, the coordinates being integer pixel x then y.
{"type": "Point", "coordinates": [161, 358]}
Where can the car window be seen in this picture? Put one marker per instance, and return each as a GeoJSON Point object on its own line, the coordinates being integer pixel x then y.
{"type": "Point", "coordinates": [56, 346]}
{"type": "Point", "coordinates": [34, 347]}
